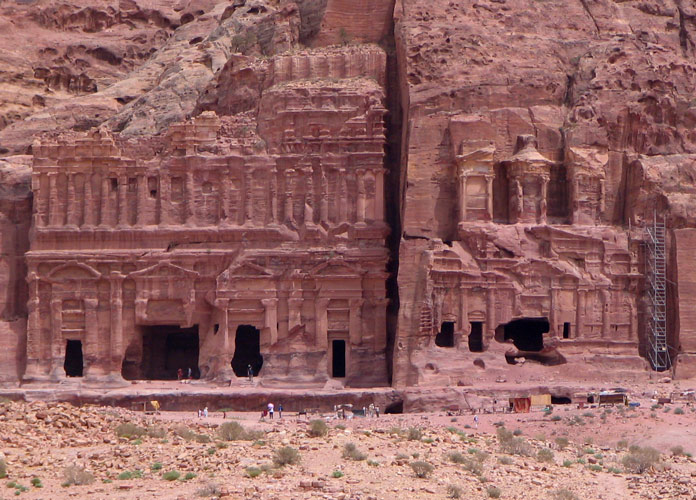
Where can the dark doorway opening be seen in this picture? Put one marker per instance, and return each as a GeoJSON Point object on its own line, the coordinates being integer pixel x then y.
{"type": "Point", "coordinates": [527, 333]}
{"type": "Point", "coordinates": [476, 337]}
{"type": "Point", "coordinates": [566, 330]}
{"type": "Point", "coordinates": [445, 337]}
{"type": "Point", "coordinates": [338, 360]}
{"type": "Point", "coordinates": [73, 358]}
{"type": "Point", "coordinates": [560, 400]}
{"type": "Point", "coordinates": [166, 349]}
{"type": "Point", "coordinates": [395, 408]}
{"type": "Point", "coordinates": [247, 351]}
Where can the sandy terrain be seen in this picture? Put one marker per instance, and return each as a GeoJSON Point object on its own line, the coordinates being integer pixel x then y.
{"type": "Point", "coordinates": [40, 440]}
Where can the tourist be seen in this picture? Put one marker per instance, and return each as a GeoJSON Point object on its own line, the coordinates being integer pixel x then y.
{"type": "Point", "coordinates": [179, 374]}
{"type": "Point", "coordinates": [476, 420]}
{"type": "Point", "coordinates": [189, 373]}
{"type": "Point", "coordinates": [205, 412]}
{"type": "Point", "coordinates": [280, 410]}
{"type": "Point", "coordinates": [270, 410]}
{"type": "Point", "coordinates": [199, 413]}
{"type": "Point", "coordinates": [250, 373]}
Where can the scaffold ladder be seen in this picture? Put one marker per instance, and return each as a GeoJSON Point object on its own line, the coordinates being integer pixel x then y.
{"type": "Point", "coordinates": [657, 293]}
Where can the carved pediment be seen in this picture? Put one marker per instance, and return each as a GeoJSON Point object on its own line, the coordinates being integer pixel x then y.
{"type": "Point", "coordinates": [245, 270]}
{"type": "Point", "coordinates": [164, 270]}
{"type": "Point", "coordinates": [336, 268]}
{"type": "Point", "coordinates": [73, 270]}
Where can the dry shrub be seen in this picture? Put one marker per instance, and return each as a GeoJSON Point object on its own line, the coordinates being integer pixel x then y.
{"type": "Point", "coordinates": [234, 431]}
{"type": "Point", "coordinates": [76, 475]}
{"type": "Point", "coordinates": [511, 444]}
{"type": "Point", "coordinates": [3, 468]}
{"type": "Point", "coordinates": [351, 452]}
{"type": "Point", "coordinates": [156, 432]}
{"type": "Point", "coordinates": [422, 469]}
{"type": "Point", "coordinates": [286, 456]}
{"type": "Point", "coordinates": [545, 455]}
{"type": "Point", "coordinates": [130, 431]}
{"type": "Point", "coordinates": [564, 494]}
{"type": "Point", "coordinates": [639, 460]}
{"type": "Point", "coordinates": [414, 434]}
{"type": "Point", "coordinates": [318, 428]}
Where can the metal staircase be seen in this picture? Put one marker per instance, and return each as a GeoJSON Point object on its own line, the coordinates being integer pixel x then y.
{"type": "Point", "coordinates": [656, 268]}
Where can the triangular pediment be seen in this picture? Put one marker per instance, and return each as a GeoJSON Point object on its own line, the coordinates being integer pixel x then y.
{"type": "Point", "coordinates": [164, 270]}
{"type": "Point", "coordinates": [336, 268]}
{"type": "Point", "coordinates": [248, 269]}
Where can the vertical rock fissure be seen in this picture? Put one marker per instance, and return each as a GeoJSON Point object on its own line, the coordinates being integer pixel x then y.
{"type": "Point", "coordinates": [589, 13]}
{"type": "Point", "coordinates": [393, 195]}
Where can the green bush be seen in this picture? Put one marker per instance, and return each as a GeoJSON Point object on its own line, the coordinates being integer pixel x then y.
{"type": "Point", "coordinates": [189, 476]}
{"type": "Point", "coordinates": [233, 431]}
{"type": "Point", "coordinates": [678, 411]}
{"type": "Point", "coordinates": [351, 452]}
{"type": "Point", "coordinates": [156, 466]}
{"type": "Point", "coordinates": [36, 482]}
{"type": "Point", "coordinates": [125, 475]}
{"type": "Point", "coordinates": [3, 468]}
{"type": "Point", "coordinates": [209, 490]}
{"type": "Point", "coordinates": [373, 463]}
{"type": "Point", "coordinates": [545, 455]}
{"type": "Point", "coordinates": [129, 431]}
{"type": "Point", "coordinates": [76, 475]}
{"type": "Point", "coordinates": [454, 491]}
{"type": "Point", "coordinates": [156, 432]}
{"type": "Point", "coordinates": [556, 418]}
{"type": "Point", "coordinates": [421, 469]}
{"type": "Point", "coordinates": [253, 472]}
{"type": "Point", "coordinates": [318, 428]}
{"type": "Point", "coordinates": [172, 475]}
{"type": "Point", "coordinates": [564, 494]}
{"type": "Point", "coordinates": [567, 463]}
{"type": "Point", "coordinates": [493, 492]}
{"type": "Point", "coordinates": [414, 434]}
{"type": "Point", "coordinates": [337, 474]}
{"type": "Point", "coordinates": [505, 460]}
{"type": "Point", "coordinates": [456, 457]}
{"type": "Point", "coordinates": [639, 460]}
{"type": "Point", "coordinates": [286, 456]}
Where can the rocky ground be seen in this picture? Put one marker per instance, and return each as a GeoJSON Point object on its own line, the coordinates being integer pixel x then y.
{"type": "Point", "coordinates": [569, 451]}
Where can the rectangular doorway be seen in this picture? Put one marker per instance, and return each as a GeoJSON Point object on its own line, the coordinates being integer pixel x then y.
{"type": "Point", "coordinates": [168, 348]}
{"type": "Point", "coordinates": [73, 358]}
{"type": "Point", "coordinates": [476, 336]}
{"type": "Point", "coordinates": [338, 358]}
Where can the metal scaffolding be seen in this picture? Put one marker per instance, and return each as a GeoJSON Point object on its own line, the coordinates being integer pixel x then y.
{"type": "Point", "coordinates": [656, 268]}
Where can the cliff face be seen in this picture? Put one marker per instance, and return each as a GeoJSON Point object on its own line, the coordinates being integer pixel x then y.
{"type": "Point", "coordinates": [541, 138]}
{"type": "Point", "coordinates": [529, 144]}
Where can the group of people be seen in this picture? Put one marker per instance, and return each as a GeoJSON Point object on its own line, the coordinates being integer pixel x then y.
{"type": "Point", "coordinates": [203, 413]}
{"type": "Point", "coordinates": [180, 374]}
{"type": "Point", "coordinates": [270, 410]}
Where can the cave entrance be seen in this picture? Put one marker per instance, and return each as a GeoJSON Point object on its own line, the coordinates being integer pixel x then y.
{"type": "Point", "coordinates": [476, 336]}
{"type": "Point", "coordinates": [73, 358]}
{"type": "Point", "coordinates": [247, 351]}
{"type": "Point", "coordinates": [168, 348]}
{"type": "Point", "coordinates": [566, 330]}
{"type": "Point", "coordinates": [527, 334]}
{"type": "Point", "coordinates": [445, 337]}
{"type": "Point", "coordinates": [338, 358]}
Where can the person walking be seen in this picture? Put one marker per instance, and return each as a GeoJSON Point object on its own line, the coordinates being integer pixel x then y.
{"type": "Point", "coordinates": [476, 420]}
{"type": "Point", "coordinates": [179, 374]}
{"type": "Point", "coordinates": [205, 412]}
{"type": "Point", "coordinates": [270, 410]}
{"type": "Point", "coordinates": [280, 410]}
{"type": "Point", "coordinates": [190, 372]}
{"type": "Point", "coordinates": [250, 373]}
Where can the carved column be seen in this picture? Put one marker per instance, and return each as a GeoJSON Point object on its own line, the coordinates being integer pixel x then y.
{"type": "Point", "coordinates": [91, 334]}
{"type": "Point", "coordinates": [54, 212]}
{"type": "Point", "coordinates": [379, 194]}
{"type": "Point", "coordinates": [321, 323]}
{"type": "Point", "coordinates": [516, 199]}
{"type": "Point", "coordinates": [248, 200]}
{"type": "Point", "coordinates": [142, 201]}
{"type": "Point", "coordinates": [490, 313]}
{"type": "Point", "coordinates": [575, 200]}
{"type": "Point", "coordinates": [225, 198]}
{"type": "Point", "coordinates": [71, 201]}
{"type": "Point", "coordinates": [552, 311]}
{"type": "Point", "coordinates": [165, 200]}
{"type": "Point", "coordinates": [543, 202]}
{"type": "Point", "coordinates": [116, 344]}
{"type": "Point", "coordinates": [343, 196]}
{"type": "Point", "coordinates": [324, 201]}
{"type": "Point", "coordinates": [462, 197]}
{"type": "Point", "coordinates": [104, 212]}
{"type": "Point", "coordinates": [580, 314]}
{"type": "Point", "coordinates": [289, 190]}
{"type": "Point", "coordinates": [34, 341]}
{"type": "Point", "coordinates": [309, 197]}
{"type": "Point", "coordinates": [602, 199]}
{"type": "Point", "coordinates": [56, 336]}
{"type": "Point", "coordinates": [362, 196]}
{"type": "Point", "coordinates": [294, 310]}
{"type": "Point", "coordinates": [606, 303]}
{"type": "Point", "coordinates": [355, 321]}
{"type": "Point", "coordinates": [273, 195]}
{"type": "Point", "coordinates": [463, 310]}
{"type": "Point", "coordinates": [489, 196]}
{"type": "Point", "coordinates": [89, 216]}
{"type": "Point", "coordinates": [190, 199]}
{"type": "Point", "coordinates": [380, 324]}
{"type": "Point", "coordinates": [271, 318]}
{"type": "Point", "coordinates": [40, 212]}
{"type": "Point", "coordinates": [122, 200]}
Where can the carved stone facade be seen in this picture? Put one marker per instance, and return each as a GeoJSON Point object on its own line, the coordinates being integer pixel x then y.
{"type": "Point", "coordinates": [277, 243]}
